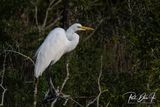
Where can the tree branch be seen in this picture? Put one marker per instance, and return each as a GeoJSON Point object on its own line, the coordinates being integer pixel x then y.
{"type": "Point", "coordinates": [53, 103]}
{"type": "Point", "coordinates": [2, 79]}
{"type": "Point", "coordinates": [45, 19]}
{"type": "Point", "coordinates": [27, 57]}
{"type": "Point", "coordinates": [76, 102]}
{"type": "Point", "coordinates": [59, 91]}
{"type": "Point", "coordinates": [66, 78]}
{"type": "Point", "coordinates": [60, 94]}
{"type": "Point", "coordinates": [36, 14]}
{"type": "Point", "coordinates": [3, 93]}
{"type": "Point", "coordinates": [57, 19]}
{"type": "Point", "coordinates": [99, 86]}
{"type": "Point", "coordinates": [51, 5]}
{"type": "Point", "coordinates": [99, 79]}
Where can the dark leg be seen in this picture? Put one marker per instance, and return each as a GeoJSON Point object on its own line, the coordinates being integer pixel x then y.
{"type": "Point", "coordinates": [51, 94]}
{"type": "Point", "coordinates": [48, 78]}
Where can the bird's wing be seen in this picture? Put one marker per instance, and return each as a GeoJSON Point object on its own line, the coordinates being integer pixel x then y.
{"type": "Point", "coordinates": [51, 49]}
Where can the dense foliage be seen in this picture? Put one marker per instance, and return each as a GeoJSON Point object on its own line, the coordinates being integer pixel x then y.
{"type": "Point", "coordinates": [127, 35]}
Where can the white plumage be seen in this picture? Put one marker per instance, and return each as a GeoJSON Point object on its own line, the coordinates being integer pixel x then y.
{"type": "Point", "coordinates": [57, 43]}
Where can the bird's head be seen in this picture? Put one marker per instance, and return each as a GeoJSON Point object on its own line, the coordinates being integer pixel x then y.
{"type": "Point", "coordinates": [79, 27]}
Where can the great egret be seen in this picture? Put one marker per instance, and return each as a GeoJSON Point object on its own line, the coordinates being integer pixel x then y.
{"type": "Point", "coordinates": [57, 43]}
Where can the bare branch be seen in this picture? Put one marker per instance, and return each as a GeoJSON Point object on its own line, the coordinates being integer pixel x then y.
{"type": "Point", "coordinates": [27, 57]}
{"type": "Point", "coordinates": [3, 93]}
{"type": "Point", "coordinates": [99, 87]}
{"type": "Point", "coordinates": [59, 91]}
{"type": "Point", "coordinates": [51, 5]}
{"type": "Point", "coordinates": [97, 98]}
{"type": "Point", "coordinates": [91, 102]}
{"type": "Point", "coordinates": [108, 104]}
{"type": "Point", "coordinates": [130, 11]}
{"type": "Point", "coordinates": [36, 14]}
{"type": "Point", "coordinates": [55, 21]}
{"type": "Point", "coordinates": [66, 78]}
{"type": "Point", "coordinates": [99, 79]}
{"type": "Point", "coordinates": [52, 85]}
{"type": "Point", "coordinates": [2, 79]}
{"type": "Point", "coordinates": [55, 4]}
{"type": "Point", "coordinates": [68, 97]}
{"type": "Point", "coordinates": [3, 71]}
{"type": "Point", "coordinates": [76, 102]}
{"type": "Point", "coordinates": [53, 103]}
{"type": "Point", "coordinates": [45, 19]}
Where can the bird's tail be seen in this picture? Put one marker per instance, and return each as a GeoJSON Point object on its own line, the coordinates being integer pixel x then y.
{"type": "Point", "coordinates": [35, 92]}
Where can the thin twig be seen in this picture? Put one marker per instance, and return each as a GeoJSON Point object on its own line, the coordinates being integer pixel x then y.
{"type": "Point", "coordinates": [59, 91]}
{"type": "Point", "coordinates": [52, 85]}
{"type": "Point", "coordinates": [36, 15]}
{"type": "Point", "coordinates": [3, 93]}
{"type": "Point", "coordinates": [108, 104]}
{"type": "Point", "coordinates": [97, 98]}
{"type": "Point", "coordinates": [2, 79]}
{"type": "Point", "coordinates": [76, 102]}
{"type": "Point", "coordinates": [51, 5]}
{"type": "Point", "coordinates": [55, 4]}
{"type": "Point", "coordinates": [84, 97]}
{"type": "Point", "coordinates": [99, 87]}
{"type": "Point", "coordinates": [51, 2]}
{"type": "Point", "coordinates": [91, 102]}
{"type": "Point", "coordinates": [46, 17]}
{"type": "Point", "coordinates": [55, 21]}
{"type": "Point", "coordinates": [27, 57]}
{"type": "Point", "coordinates": [53, 103]}
{"type": "Point", "coordinates": [99, 79]}
{"type": "Point", "coordinates": [47, 11]}
{"type": "Point", "coordinates": [3, 71]}
{"type": "Point", "coordinates": [66, 78]}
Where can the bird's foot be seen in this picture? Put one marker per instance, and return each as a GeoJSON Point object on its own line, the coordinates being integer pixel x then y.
{"type": "Point", "coordinates": [50, 96]}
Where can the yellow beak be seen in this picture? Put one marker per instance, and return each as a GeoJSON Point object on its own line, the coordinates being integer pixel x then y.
{"type": "Point", "coordinates": [86, 28]}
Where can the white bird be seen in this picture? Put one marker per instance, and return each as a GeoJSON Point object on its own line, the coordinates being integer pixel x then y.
{"type": "Point", "coordinates": [57, 43]}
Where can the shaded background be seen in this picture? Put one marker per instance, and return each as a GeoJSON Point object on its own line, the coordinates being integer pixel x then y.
{"type": "Point", "coordinates": [127, 35]}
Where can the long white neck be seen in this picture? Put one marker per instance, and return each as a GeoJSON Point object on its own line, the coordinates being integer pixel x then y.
{"type": "Point", "coordinates": [70, 33]}
{"type": "Point", "coordinates": [73, 39]}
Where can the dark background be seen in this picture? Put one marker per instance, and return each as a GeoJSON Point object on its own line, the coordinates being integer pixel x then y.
{"type": "Point", "coordinates": [127, 35]}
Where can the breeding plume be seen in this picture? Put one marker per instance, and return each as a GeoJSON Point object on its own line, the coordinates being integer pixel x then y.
{"type": "Point", "coordinates": [57, 43]}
